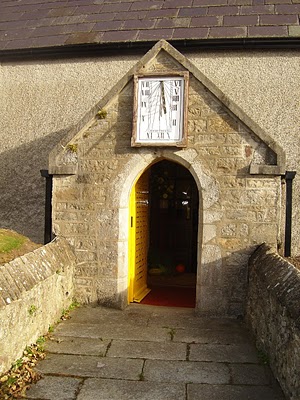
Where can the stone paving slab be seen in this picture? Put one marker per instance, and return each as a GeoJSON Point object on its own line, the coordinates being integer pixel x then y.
{"type": "Point", "coordinates": [231, 353]}
{"type": "Point", "coordinates": [89, 366]}
{"type": "Point", "coordinates": [180, 319]}
{"type": "Point", "coordinates": [114, 331]}
{"type": "Point", "coordinates": [229, 392]}
{"type": "Point", "coordinates": [186, 371]}
{"type": "Point", "coordinates": [149, 350]}
{"type": "Point", "coordinates": [198, 335]}
{"type": "Point", "coordinates": [100, 315]}
{"type": "Point", "coordinates": [54, 387]}
{"type": "Point", "coordinates": [189, 320]}
{"type": "Point", "coordinates": [78, 330]}
{"type": "Point", "coordinates": [249, 374]}
{"type": "Point", "coordinates": [103, 389]}
{"type": "Point", "coordinates": [71, 345]}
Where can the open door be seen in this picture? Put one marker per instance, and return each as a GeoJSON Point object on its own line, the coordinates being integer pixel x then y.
{"type": "Point", "coordinates": [138, 239]}
{"type": "Point", "coordinates": [173, 218]}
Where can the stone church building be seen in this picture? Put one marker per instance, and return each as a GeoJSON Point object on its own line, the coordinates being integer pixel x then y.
{"type": "Point", "coordinates": [161, 153]}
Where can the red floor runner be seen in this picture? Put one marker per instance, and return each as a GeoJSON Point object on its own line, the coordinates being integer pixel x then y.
{"type": "Point", "coordinates": [171, 297]}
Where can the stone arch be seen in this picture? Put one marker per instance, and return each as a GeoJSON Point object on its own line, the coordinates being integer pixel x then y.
{"type": "Point", "coordinates": [208, 197]}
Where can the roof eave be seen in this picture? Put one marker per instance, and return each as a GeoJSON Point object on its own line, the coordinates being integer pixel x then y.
{"type": "Point", "coordinates": [97, 49]}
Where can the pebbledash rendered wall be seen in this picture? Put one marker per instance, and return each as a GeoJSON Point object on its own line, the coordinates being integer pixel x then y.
{"type": "Point", "coordinates": [95, 168]}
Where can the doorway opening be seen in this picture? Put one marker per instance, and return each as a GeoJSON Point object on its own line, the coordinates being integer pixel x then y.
{"type": "Point", "coordinates": [171, 238]}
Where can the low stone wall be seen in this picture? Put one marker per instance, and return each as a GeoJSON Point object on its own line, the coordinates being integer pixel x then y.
{"type": "Point", "coordinates": [34, 289]}
{"type": "Point", "coordinates": [273, 312]}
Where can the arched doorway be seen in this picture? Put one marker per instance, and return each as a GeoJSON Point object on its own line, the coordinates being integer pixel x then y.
{"type": "Point", "coordinates": [163, 234]}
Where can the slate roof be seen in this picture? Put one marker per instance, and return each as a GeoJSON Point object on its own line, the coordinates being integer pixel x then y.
{"type": "Point", "coordinates": [33, 24]}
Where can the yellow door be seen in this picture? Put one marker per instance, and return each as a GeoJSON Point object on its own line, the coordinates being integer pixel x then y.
{"type": "Point", "coordinates": [138, 239]}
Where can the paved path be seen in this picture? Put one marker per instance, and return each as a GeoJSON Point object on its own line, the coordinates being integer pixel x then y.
{"type": "Point", "coordinates": [151, 353]}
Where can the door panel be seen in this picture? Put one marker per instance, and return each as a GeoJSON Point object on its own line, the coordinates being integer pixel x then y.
{"type": "Point", "coordinates": [139, 239]}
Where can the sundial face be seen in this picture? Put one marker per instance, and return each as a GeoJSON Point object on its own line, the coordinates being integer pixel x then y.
{"type": "Point", "coordinates": [160, 110]}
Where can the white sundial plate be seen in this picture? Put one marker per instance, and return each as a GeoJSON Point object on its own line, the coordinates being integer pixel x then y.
{"type": "Point", "coordinates": [160, 110]}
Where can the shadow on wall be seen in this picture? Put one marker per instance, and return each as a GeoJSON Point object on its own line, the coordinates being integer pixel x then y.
{"type": "Point", "coordinates": [223, 283]}
{"type": "Point", "coordinates": [221, 291]}
{"type": "Point", "coordinates": [22, 188]}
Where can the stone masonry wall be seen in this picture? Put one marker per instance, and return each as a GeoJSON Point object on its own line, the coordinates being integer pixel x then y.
{"type": "Point", "coordinates": [273, 313]}
{"type": "Point", "coordinates": [34, 289]}
{"type": "Point", "coordinates": [237, 210]}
